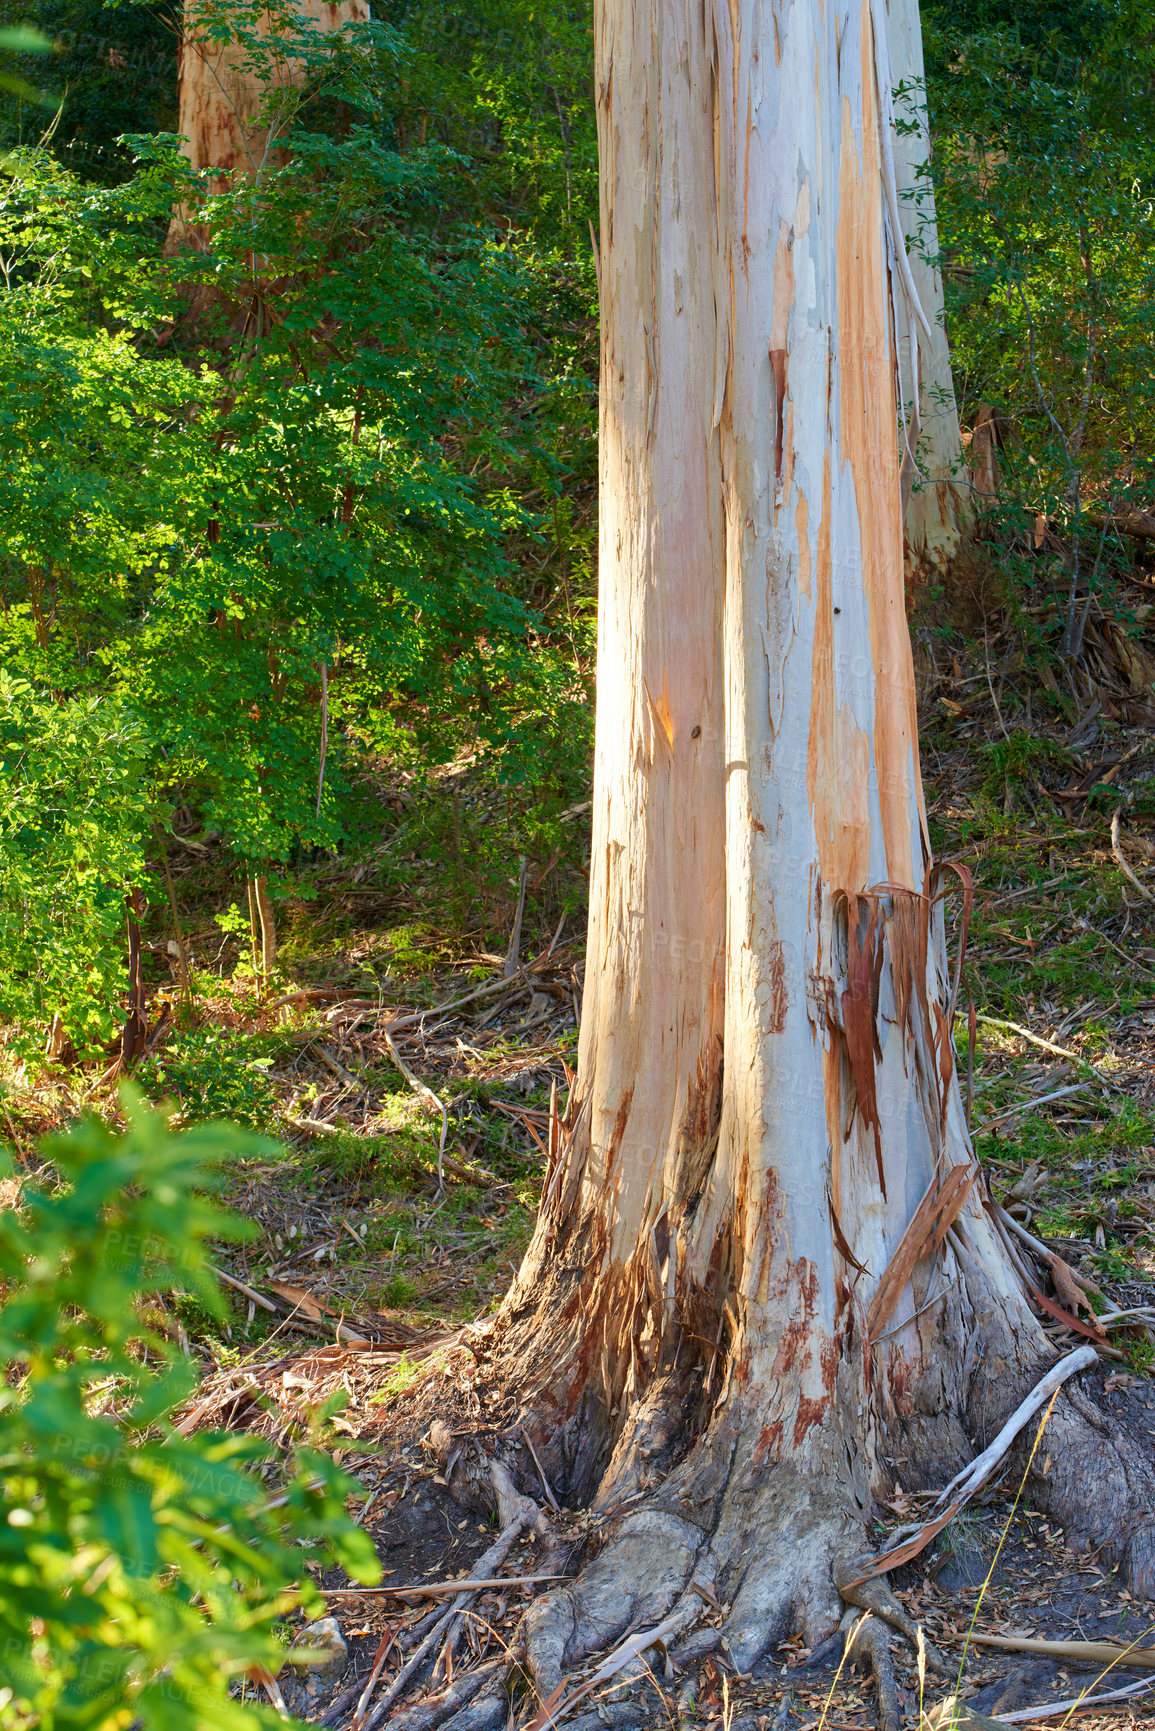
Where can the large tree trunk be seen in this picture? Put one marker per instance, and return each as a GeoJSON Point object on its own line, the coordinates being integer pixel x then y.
{"type": "Point", "coordinates": [766, 1085]}
{"type": "Point", "coordinates": [938, 508]}
{"type": "Point", "coordinates": [238, 65]}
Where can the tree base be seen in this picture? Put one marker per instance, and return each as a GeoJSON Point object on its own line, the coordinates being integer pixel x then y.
{"type": "Point", "coordinates": [726, 1555]}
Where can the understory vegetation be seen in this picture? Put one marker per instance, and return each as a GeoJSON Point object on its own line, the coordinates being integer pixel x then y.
{"type": "Point", "coordinates": [297, 627]}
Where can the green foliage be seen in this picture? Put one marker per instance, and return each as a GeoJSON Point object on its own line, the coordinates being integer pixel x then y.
{"type": "Point", "coordinates": [281, 502]}
{"type": "Point", "coordinates": [74, 819]}
{"type": "Point", "coordinates": [112, 70]}
{"type": "Point", "coordinates": [1043, 186]}
{"type": "Point", "coordinates": [211, 1073]}
{"type": "Point", "coordinates": [140, 1570]}
{"type": "Point", "coordinates": [1009, 761]}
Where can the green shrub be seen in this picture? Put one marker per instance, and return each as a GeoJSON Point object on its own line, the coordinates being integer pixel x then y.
{"type": "Point", "coordinates": [74, 818]}
{"type": "Point", "coordinates": [140, 1570]}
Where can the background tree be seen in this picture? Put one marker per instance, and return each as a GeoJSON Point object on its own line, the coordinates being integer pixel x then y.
{"type": "Point", "coordinates": [938, 505]}
{"type": "Point", "coordinates": [763, 1272]}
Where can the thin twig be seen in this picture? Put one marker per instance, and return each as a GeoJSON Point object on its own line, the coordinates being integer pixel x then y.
{"type": "Point", "coordinates": [426, 1093]}
{"type": "Point", "coordinates": [491, 1560]}
{"type": "Point", "coordinates": [1117, 850]}
{"type": "Point", "coordinates": [1077, 1704]}
{"type": "Point", "coordinates": [1037, 1040]}
{"type": "Point", "coordinates": [1028, 1106]}
{"type": "Point", "coordinates": [249, 1292]}
{"type": "Point", "coordinates": [472, 1584]}
{"type": "Point", "coordinates": [545, 1484]}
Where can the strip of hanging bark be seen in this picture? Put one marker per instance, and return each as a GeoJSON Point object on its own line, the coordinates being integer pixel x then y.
{"type": "Point", "coordinates": [1058, 1314]}
{"type": "Point", "coordinates": [844, 1249]}
{"type": "Point", "coordinates": [966, 879]}
{"type": "Point", "coordinates": [1085, 1652]}
{"type": "Point", "coordinates": [859, 1012]}
{"type": "Point", "coordinates": [964, 1485]}
{"type": "Point", "coordinates": [932, 1220]}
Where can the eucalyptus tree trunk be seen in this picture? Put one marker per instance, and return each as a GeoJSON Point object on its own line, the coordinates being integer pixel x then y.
{"type": "Point", "coordinates": [240, 64]}
{"type": "Point", "coordinates": [763, 1282]}
{"type": "Point", "coordinates": [938, 507]}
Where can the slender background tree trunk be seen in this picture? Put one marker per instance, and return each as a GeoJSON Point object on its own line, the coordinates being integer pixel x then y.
{"type": "Point", "coordinates": [938, 510]}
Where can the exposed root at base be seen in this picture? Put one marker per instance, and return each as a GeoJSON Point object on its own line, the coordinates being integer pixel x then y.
{"type": "Point", "coordinates": [868, 1643]}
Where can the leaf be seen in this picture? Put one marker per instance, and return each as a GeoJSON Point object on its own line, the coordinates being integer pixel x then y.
{"type": "Point", "coordinates": [306, 1302]}
{"type": "Point", "coordinates": [123, 1516]}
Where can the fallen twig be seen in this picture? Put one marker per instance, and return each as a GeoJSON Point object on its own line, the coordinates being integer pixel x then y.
{"type": "Point", "coordinates": [239, 1286]}
{"type": "Point", "coordinates": [314, 1126]}
{"type": "Point", "coordinates": [1084, 1652]}
{"type": "Point", "coordinates": [963, 1486]}
{"type": "Point", "coordinates": [484, 991]}
{"type": "Point", "coordinates": [989, 1124]}
{"type": "Point", "coordinates": [1117, 850]}
{"type": "Point", "coordinates": [486, 1568]}
{"type": "Point", "coordinates": [1076, 1704]}
{"type": "Point", "coordinates": [545, 1484]}
{"type": "Point", "coordinates": [426, 1093]}
{"type": "Point", "coordinates": [1038, 1040]}
{"type": "Point", "coordinates": [472, 1584]}
{"type": "Point", "coordinates": [967, 1482]}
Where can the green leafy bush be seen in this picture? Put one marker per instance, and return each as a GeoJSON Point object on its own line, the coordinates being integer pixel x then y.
{"type": "Point", "coordinates": [74, 818]}
{"type": "Point", "coordinates": [141, 1571]}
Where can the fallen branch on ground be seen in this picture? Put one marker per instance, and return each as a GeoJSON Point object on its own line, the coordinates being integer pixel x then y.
{"type": "Point", "coordinates": [965, 1484]}
{"type": "Point", "coordinates": [1084, 1652]}
{"type": "Point", "coordinates": [1077, 1704]}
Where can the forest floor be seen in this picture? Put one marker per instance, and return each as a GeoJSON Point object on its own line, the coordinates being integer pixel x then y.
{"type": "Point", "coordinates": [402, 1026]}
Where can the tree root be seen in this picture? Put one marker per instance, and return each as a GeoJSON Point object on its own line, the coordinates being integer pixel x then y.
{"type": "Point", "coordinates": [876, 1598]}
{"type": "Point", "coordinates": [868, 1643]}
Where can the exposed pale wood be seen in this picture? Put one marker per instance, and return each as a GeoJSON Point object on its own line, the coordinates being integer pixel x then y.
{"type": "Point", "coordinates": [1084, 1652]}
